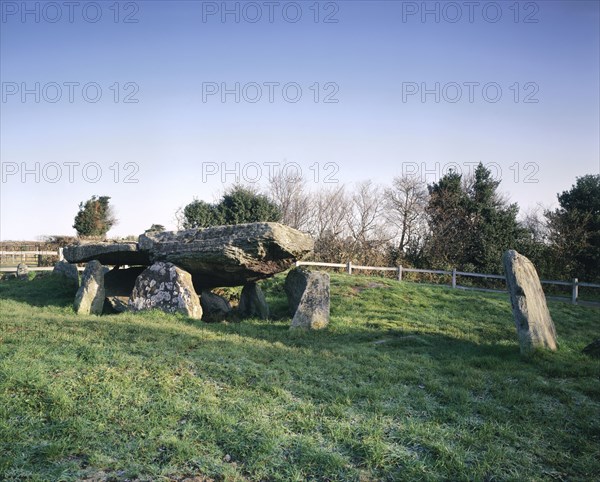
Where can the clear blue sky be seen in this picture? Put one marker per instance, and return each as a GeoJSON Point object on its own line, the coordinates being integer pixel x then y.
{"type": "Point", "coordinates": [375, 52]}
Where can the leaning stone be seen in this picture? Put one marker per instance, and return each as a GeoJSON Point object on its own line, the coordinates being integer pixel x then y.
{"type": "Point", "coordinates": [165, 287]}
{"type": "Point", "coordinates": [214, 307]}
{"type": "Point", "coordinates": [22, 271]}
{"type": "Point", "coordinates": [90, 295]}
{"type": "Point", "coordinates": [535, 328]}
{"type": "Point", "coordinates": [593, 349]}
{"type": "Point", "coordinates": [308, 297]}
{"type": "Point", "coordinates": [253, 302]}
{"type": "Point", "coordinates": [67, 270]}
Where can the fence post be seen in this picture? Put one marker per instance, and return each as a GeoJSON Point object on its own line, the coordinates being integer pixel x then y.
{"type": "Point", "coordinates": [454, 278]}
{"type": "Point", "coordinates": [61, 256]}
{"type": "Point", "coordinates": [575, 292]}
{"type": "Point", "coordinates": [399, 273]}
{"type": "Point", "coordinates": [349, 267]}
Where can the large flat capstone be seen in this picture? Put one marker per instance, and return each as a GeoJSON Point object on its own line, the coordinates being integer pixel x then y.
{"type": "Point", "coordinates": [229, 255]}
{"type": "Point", "coordinates": [107, 254]}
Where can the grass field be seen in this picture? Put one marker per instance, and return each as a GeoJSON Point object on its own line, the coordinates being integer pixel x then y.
{"type": "Point", "coordinates": [409, 382]}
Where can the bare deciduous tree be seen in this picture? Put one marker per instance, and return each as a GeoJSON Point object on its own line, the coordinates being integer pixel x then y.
{"type": "Point", "coordinates": [406, 201]}
{"type": "Point", "coordinates": [289, 193]}
{"type": "Point", "coordinates": [367, 221]}
{"type": "Point", "coordinates": [536, 224]}
{"type": "Point", "coordinates": [329, 210]}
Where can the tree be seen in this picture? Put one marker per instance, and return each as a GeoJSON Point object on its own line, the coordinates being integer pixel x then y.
{"type": "Point", "coordinates": [200, 214]}
{"type": "Point", "coordinates": [238, 205]}
{"type": "Point", "coordinates": [290, 196]}
{"type": "Point", "coordinates": [329, 211]}
{"type": "Point", "coordinates": [494, 225]}
{"type": "Point", "coordinates": [574, 228]}
{"type": "Point", "coordinates": [95, 217]}
{"type": "Point", "coordinates": [447, 218]}
{"type": "Point", "coordinates": [471, 225]}
{"type": "Point", "coordinates": [245, 205]}
{"type": "Point", "coordinates": [366, 222]}
{"type": "Point", "coordinates": [406, 202]}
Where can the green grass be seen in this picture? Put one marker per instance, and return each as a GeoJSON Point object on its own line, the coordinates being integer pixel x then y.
{"type": "Point", "coordinates": [409, 382]}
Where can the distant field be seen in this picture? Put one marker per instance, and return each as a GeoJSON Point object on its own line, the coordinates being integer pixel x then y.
{"type": "Point", "coordinates": [409, 382]}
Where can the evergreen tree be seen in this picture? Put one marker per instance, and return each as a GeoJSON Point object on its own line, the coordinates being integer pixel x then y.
{"type": "Point", "coordinates": [238, 205]}
{"type": "Point", "coordinates": [470, 226]}
{"type": "Point", "coordinates": [575, 229]}
{"type": "Point", "coordinates": [95, 217]}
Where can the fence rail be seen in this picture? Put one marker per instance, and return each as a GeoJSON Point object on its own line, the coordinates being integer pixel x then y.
{"type": "Point", "coordinates": [349, 267]}
{"type": "Point", "coordinates": [575, 284]}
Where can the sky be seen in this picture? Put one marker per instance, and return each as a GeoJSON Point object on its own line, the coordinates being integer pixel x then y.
{"type": "Point", "coordinates": [156, 103]}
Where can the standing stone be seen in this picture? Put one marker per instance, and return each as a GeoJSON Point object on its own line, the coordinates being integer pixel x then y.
{"type": "Point", "coordinates": [535, 327]}
{"type": "Point", "coordinates": [253, 302]}
{"type": "Point", "coordinates": [67, 270]}
{"type": "Point", "coordinates": [90, 295]}
{"type": "Point", "coordinates": [308, 298]}
{"type": "Point", "coordinates": [214, 307]}
{"type": "Point", "coordinates": [164, 286]}
{"type": "Point", "coordinates": [295, 285]}
{"type": "Point", "coordinates": [22, 271]}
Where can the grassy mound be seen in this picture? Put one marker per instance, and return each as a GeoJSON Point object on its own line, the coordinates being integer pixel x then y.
{"type": "Point", "coordinates": [409, 382]}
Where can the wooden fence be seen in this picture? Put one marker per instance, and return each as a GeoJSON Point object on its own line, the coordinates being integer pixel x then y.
{"type": "Point", "coordinates": [21, 257]}
{"type": "Point", "coordinates": [575, 284]}
{"type": "Point", "coordinates": [30, 258]}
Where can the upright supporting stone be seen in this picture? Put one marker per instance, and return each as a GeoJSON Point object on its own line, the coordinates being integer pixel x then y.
{"type": "Point", "coordinates": [164, 286]}
{"type": "Point", "coordinates": [535, 327]}
{"type": "Point", "coordinates": [308, 298]}
{"type": "Point", "coordinates": [253, 302]}
{"type": "Point", "coordinates": [89, 299]}
{"type": "Point", "coordinates": [214, 307]}
{"type": "Point", "coordinates": [67, 270]}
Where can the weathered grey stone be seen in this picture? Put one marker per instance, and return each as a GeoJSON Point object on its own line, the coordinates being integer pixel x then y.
{"type": "Point", "coordinates": [253, 302]}
{"type": "Point", "coordinates": [67, 270]}
{"type": "Point", "coordinates": [308, 298]}
{"type": "Point", "coordinates": [295, 284]}
{"type": "Point", "coordinates": [90, 295]}
{"type": "Point", "coordinates": [214, 307]}
{"type": "Point", "coordinates": [107, 253]}
{"type": "Point", "coordinates": [22, 271]}
{"type": "Point", "coordinates": [229, 255]}
{"type": "Point", "coordinates": [593, 349]}
{"type": "Point", "coordinates": [535, 328]}
{"type": "Point", "coordinates": [165, 287]}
